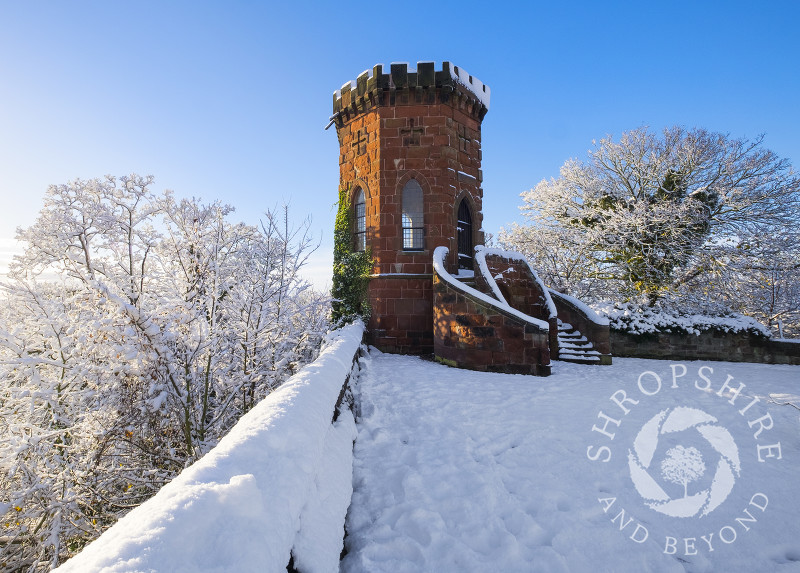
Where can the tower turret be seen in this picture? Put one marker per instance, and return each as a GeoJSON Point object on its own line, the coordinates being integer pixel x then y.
{"type": "Point", "coordinates": [410, 163]}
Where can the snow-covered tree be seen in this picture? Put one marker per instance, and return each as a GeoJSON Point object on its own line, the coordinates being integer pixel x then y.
{"type": "Point", "coordinates": [652, 212]}
{"type": "Point", "coordinates": [761, 278]}
{"type": "Point", "coordinates": [136, 330]}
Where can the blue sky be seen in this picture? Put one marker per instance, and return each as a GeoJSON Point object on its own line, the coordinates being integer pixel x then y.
{"type": "Point", "coordinates": [228, 100]}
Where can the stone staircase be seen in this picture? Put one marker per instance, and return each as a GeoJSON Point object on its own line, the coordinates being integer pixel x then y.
{"type": "Point", "coordinates": [574, 347]}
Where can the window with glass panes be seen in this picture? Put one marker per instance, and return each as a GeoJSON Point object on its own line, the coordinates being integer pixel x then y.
{"type": "Point", "coordinates": [360, 222]}
{"type": "Point", "coordinates": [413, 229]}
{"type": "Point", "coordinates": [464, 236]}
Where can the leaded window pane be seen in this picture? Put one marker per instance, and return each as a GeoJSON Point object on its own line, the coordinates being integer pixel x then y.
{"type": "Point", "coordinates": [464, 235]}
{"type": "Point", "coordinates": [360, 226]}
{"type": "Point", "coordinates": [413, 228]}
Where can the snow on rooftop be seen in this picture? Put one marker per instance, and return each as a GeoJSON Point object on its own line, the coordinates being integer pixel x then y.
{"type": "Point", "coordinates": [346, 85]}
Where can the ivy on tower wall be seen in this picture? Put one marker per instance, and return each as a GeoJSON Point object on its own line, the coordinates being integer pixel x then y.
{"type": "Point", "coordinates": [351, 269]}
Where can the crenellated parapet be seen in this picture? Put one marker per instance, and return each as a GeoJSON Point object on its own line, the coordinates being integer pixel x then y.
{"type": "Point", "coordinates": [425, 85]}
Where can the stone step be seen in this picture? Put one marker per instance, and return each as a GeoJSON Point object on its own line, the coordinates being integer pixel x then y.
{"type": "Point", "coordinates": [575, 347]}
{"type": "Point", "coordinates": [581, 351]}
{"type": "Point", "coordinates": [581, 346]}
{"type": "Point", "coordinates": [579, 359]}
{"type": "Point", "coordinates": [577, 337]}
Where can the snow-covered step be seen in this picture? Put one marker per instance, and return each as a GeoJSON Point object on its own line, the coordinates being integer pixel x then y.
{"type": "Point", "coordinates": [467, 279]}
{"type": "Point", "coordinates": [577, 350]}
{"type": "Point", "coordinates": [588, 350]}
{"type": "Point", "coordinates": [572, 352]}
{"type": "Point", "coordinates": [571, 334]}
{"type": "Point", "coordinates": [574, 346]}
{"type": "Point", "coordinates": [578, 358]}
{"type": "Point", "coordinates": [574, 339]}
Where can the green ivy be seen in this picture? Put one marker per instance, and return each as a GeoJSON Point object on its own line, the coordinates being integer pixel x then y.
{"type": "Point", "coordinates": [351, 269]}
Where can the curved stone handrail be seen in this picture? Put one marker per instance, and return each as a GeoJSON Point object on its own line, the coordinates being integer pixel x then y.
{"type": "Point", "coordinates": [473, 330]}
{"type": "Point", "coordinates": [480, 257]}
{"type": "Point", "coordinates": [439, 255]}
{"type": "Point", "coordinates": [590, 314]}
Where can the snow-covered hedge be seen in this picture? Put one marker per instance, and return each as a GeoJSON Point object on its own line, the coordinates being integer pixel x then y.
{"type": "Point", "coordinates": [641, 319]}
{"type": "Point", "coordinates": [278, 484]}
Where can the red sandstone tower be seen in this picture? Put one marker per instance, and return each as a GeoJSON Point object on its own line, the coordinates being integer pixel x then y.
{"type": "Point", "coordinates": [410, 161]}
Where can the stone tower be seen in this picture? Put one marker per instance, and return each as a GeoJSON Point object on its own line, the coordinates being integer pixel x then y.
{"type": "Point", "coordinates": [410, 163]}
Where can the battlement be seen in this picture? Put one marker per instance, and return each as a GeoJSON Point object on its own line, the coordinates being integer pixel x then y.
{"type": "Point", "coordinates": [370, 87]}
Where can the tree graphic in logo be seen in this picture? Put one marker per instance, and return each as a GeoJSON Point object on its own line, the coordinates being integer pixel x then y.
{"type": "Point", "coordinates": [683, 465]}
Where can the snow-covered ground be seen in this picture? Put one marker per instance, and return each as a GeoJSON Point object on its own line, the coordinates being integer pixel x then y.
{"type": "Point", "coordinates": [463, 471]}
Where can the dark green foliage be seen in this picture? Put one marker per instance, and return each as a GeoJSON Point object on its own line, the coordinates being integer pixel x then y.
{"type": "Point", "coordinates": [351, 269]}
{"type": "Point", "coordinates": [667, 227]}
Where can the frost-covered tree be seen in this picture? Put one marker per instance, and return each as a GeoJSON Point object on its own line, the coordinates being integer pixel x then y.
{"type": "Point", "coordinates": [136, 330]}
{"type": "Point", "coordinates": [561, 256]}
{"type": "Point", "coordinates": [761, 278]}
{"type": "Point", "coordinates": [682, 466]}
{"type": "Point", "coordinates": [652, 212]}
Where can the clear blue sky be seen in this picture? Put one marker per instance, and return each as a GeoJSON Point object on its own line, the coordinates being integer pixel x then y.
{"type": "Point", "coordinates": [228, 100]}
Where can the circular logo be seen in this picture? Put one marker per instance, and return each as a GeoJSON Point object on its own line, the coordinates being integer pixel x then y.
{"type": "Point", "coordinates": [682, 465]}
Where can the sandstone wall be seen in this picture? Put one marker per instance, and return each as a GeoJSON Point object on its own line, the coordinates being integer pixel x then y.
{"type": "Point", "coordinates": [708, 345]}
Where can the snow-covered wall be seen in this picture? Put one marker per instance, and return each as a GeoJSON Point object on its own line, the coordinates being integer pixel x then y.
{"type": "Point", "coordinates": [473, 330]}
{"type": "Point", "coordinates": [518, 259]}
{"type": "Point", "coordinates": [278, 485]}
{"type": "Point", "coordinates": [590, 314]}
{"type": "Point", "coordinates": [439, 255]}
{"type": "Point", "coordinates": [588, 322]}
{"type": "Point", "coordinates": [712, 344]}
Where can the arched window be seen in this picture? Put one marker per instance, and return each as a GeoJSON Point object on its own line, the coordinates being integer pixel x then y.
{"type": "Point", "coordinates": [412, 217]}
{"type": "Point", "coordinates": [359, 221]}
{"type": "Point", "coordinates": [464, 235]}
